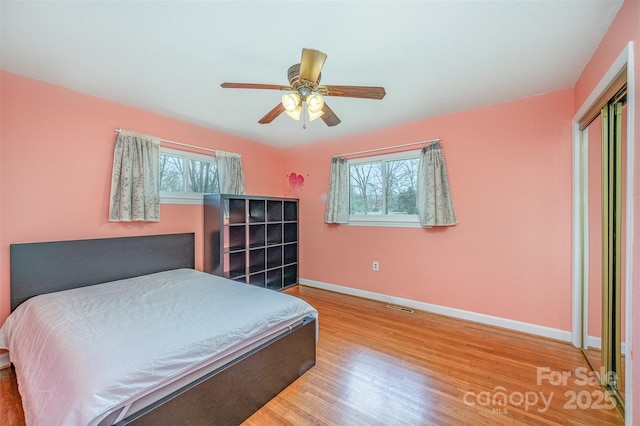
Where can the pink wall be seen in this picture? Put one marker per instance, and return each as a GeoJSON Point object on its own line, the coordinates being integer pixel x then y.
{"type": "Point", "coordinates": [57, 153]}
{"type": "Point", "coordinates": [625, 28]}
{"type": "Point", "coordinates": [509, 256]}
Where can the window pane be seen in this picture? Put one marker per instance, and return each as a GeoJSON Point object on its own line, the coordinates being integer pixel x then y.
{"type": "Point", "coordinates": [401, 180]}
{"type": "Point", "coordinates": [203, 177]}
{"type": "Point", "coordinates": [365, 188]}
{"type": "Point", "coordinates": [171, 173]}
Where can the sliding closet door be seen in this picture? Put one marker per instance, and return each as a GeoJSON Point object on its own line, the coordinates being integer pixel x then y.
{"type": "Point", "coordinates": [605, 253]}
{"type": "Point", "coordinates": [613, 245]}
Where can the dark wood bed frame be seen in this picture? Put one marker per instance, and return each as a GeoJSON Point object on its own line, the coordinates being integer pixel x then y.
{"type": "Point", "coordinates": [226, 396]}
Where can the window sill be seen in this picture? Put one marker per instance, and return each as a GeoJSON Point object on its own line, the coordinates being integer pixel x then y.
{"type": "Point", "coordinates": [385, 223]}
{"type": "Point", "coordinates": [195, 199]}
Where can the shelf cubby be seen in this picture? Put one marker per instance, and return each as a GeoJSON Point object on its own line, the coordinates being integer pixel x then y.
{"type": "Point", "coordinates": [274, 211]}
{"type": "Point", "coordinates": [290, 275]}
{"type": "Point", "coordinates": [290, 232]}
{"type": "Point", "coordinates": [290, 253]}
{"type": "Point", "coordinates": [256, 211]}
{"type": "Point", "coordinates": [257, 235]}
{"type": "Point", "coordinates": [235, 238]}
{"type": "Point", "coordinates": [274, 257]}
{"type": "Point", "coordinates": [235, 264]}
{"type": "Point", "coordinates": [290, 211]}
{"type": "Point", "coordinates": [235, 211]}
{"type": "Point", "coordinates": [274, 279]}
{"type": "Point", "coordinates": [256, 260]}
{"type": "Point", "coordinates": [274, 233]}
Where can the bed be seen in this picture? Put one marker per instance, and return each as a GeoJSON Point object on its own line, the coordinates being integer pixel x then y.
{"type": "Point", "coordinates": [126, 331]}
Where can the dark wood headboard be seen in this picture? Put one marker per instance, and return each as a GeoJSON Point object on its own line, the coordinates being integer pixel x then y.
{"type": "Point", "coordinates": [38, 268]}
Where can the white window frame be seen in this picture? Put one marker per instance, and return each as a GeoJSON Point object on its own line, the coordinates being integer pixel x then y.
{"type": "Point", "coordinates": [382, 220]}
{"type": "Point", "coordinates": [174, 197]}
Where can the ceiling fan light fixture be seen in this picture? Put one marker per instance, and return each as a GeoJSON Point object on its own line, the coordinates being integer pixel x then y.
{"type": "Point", "coordinates": [291, 102]}
{"type": "Point", "coordinates": [314, 115]}
{"type": "Point", "coordinates": [295, 114]}
{"type": "Point", "coordinates": [315, 104]}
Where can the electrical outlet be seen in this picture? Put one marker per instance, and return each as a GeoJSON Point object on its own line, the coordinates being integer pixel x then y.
{"type": "Point", "coordinates": [376, 265]}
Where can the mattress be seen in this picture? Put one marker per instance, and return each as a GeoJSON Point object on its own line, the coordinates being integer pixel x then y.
{"type": "Point", "coordinates": [91, 353]}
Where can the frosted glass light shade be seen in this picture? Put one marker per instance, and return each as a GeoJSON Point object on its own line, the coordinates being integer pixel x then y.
{"type": "Point", "coordinates": [292, 105]}
{"type": "Point", "coordinates": [314, 115]}
{"type": "Point", "coordinates": [295, 114]}
{"type": "Point", "coordinates": [290, 101]}
{"type": "Point", "coordinates": [314, 104]}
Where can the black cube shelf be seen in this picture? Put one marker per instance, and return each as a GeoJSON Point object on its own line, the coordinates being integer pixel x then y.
{"type": "Point", "coordinates": [252, 239]}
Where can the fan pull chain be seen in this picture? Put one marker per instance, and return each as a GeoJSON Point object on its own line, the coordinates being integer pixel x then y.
{"type": "Point", "coordinates": [304, 115]}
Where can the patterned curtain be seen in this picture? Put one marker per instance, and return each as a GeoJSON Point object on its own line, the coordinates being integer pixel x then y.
{"type": "Point", "coordinates": [435, 206]}
{"type": "Point", "coordinates": [338, 198]}
{"type": "Point", "coordinates": [135, 179]}
{"type": "Point", "coordinates": [230, 174]}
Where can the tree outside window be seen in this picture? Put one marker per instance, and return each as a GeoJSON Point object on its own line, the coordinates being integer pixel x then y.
{"type": "Point", "coordinates": [185, 175]}
{"type": "Point", "coordinates": [383, 187]}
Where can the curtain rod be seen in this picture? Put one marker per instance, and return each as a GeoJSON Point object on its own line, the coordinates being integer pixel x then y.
{"type": "Point", "coordinates": [180, 143]}
{"type": "Point", "coordinates": [388, 147]}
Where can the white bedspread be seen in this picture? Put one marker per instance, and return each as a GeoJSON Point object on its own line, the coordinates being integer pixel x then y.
{"type": "Point", "coordinates": [80, 353]}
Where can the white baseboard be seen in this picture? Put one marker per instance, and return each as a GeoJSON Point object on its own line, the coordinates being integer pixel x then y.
{"type": "Point", "coordinates": [538, 330]}
{"type": "Point", "coordinates": [596, 342]}
{"type": "Point", "coordinates": [4, 361]}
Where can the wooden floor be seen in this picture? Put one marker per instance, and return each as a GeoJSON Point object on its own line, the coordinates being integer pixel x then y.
{"type": "Point", "coordinates": [378, 366]}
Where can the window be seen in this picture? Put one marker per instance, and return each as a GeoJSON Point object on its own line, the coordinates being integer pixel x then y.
{"type": "Point", "coordinates": [185, 176]}
{"type": "Point", "coordinates": [382, 190]}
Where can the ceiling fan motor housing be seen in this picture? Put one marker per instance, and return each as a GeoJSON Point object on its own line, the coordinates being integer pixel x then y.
{"type": "Point", "coordinates": [303, 87]}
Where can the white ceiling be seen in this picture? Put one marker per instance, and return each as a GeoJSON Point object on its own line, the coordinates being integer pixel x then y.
{"type": "Point", "coordinates": [432, 57]}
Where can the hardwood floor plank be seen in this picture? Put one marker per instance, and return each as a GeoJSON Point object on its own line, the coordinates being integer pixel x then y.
{"type": "Point", "coordinates": [377, 366]}
{"type": "Point", "coordinates": [10, 404]}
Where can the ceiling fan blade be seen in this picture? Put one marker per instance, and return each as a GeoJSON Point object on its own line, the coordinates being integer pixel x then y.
{"type": "Point", "coordinates": [271, 115]}
{"type": "Point", "coordinates": [329, 117]}
{"type": "Point", "coordinates": [311, 65]}
{"type": "Point", "coordinates": [365, 92]}
{"type": "Point", "coordinates": [254, 86]}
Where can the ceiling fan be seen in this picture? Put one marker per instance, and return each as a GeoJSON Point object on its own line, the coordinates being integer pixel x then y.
{"type": "Point", "coordinates": [307, 93]}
